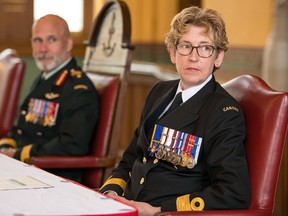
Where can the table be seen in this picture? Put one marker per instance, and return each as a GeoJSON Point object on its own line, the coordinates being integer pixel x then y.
{"type": "Point", "coordinates": [26, 190]}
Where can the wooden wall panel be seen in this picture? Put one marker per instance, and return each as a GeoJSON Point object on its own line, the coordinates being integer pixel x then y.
{"type": "Point", "coordinates": [16, 17]}
{"type": "Point", "coordinates": [138, 89]}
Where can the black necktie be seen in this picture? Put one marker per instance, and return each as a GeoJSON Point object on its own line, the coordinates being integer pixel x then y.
{"type": "Point", "coordinates": [176, 102]}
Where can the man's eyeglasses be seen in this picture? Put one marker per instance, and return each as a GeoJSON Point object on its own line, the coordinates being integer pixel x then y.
{"type": "Point", "coordinates": [204, 51]}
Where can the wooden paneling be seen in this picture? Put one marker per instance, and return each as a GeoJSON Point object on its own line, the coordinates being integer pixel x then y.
{"type": "Point", "coordinates": [248, 23]}
{"type": "Point", "coordinates": [138, 89]}
{"type": "Point", "coordinates": [16, 17]}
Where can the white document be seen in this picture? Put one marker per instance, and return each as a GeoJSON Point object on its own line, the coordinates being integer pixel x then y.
{"type": "Point", "coordinates": [21, 182]}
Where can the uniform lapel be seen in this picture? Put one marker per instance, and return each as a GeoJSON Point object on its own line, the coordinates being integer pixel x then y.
{"type": "Point", "coordinates": [36, 82]}
{"type": "Point", "coordinates": [157, 108]}
{"type": "Point", "coordinates": [188, 112]}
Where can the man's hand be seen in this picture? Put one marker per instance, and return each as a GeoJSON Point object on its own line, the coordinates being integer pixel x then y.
{"type": "Point", "coordinates": [8, 151]}
{"type": "Point", "coordinates": [144, 209]}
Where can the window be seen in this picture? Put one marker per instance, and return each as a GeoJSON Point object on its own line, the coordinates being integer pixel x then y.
{"type": "Point", "coordinates": [71, 11]}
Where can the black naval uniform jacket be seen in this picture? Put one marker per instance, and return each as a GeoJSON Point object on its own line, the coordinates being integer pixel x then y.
{"type": "Point", "coordinates": [74, 102]}
{"type": "Point", "coordinates": [220, 179]}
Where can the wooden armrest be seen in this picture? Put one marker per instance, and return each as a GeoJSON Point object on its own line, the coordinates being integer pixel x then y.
{"type": "Point", "coordinates": [246, 212]}
{"type": "Point", "coordinates": [46, 162]}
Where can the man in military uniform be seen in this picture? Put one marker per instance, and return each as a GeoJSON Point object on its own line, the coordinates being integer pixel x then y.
{"type": "Point", "coordinates": [191, 158]}
{"type": "Point", "coordinates": [59, 114]}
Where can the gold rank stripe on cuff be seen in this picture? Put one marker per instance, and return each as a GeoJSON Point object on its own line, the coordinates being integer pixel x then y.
{"type": "Point", "coordinates": [116, 181]}
{"type": "Point", "coordinates": [25, 153]}
{"type": "Point", "coordinates": [8, 141]}
{"type": "Point", "coordinates": [183, 203]}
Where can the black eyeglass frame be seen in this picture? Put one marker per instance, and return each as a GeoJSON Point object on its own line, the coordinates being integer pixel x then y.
{"type": "Point", "coordinates": [196, 47]}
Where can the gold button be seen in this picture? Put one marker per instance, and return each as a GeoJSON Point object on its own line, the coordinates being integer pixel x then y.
{"type": "Point", "coordinates": [23, 112]}
{"type": "Point", "coordinates": [144, 160]}
{"type": "Point", "coordinates": [197, 204]}
{"type": "Point", "coordinates": [19, 132]}
{"type": "Point", "coordinates": [39, 133]}
{"type": "Point", "coordinates": [142, 181]}
{"type": "Point", "coordinates": [155, 161]}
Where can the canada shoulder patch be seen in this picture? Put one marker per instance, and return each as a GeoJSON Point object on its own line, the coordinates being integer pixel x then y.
{"type": "Point", "coordinates": [80, 86]}
{"type": "Point", "coordinates": [230, 108]}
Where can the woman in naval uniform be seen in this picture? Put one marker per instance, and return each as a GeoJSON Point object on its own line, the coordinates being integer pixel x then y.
{"type": "Point", "coordinates": [192, 158]}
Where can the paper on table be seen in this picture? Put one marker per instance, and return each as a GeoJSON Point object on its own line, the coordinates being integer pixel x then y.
{"type": "Point", "coordinates": [62, 197]}
{"type": "Point", "coordinates": [21, 182]}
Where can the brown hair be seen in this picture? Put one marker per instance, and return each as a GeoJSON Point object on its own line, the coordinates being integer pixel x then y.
{"type": "Point", "coordinates": [209, 19]}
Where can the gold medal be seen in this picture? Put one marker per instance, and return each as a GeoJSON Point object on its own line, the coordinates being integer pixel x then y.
{"type": "Point", "coordinates": [169, 155]}
{"type": "Point", "coordinates": [174, 158]}
{"type": "Point", "coordinates": [178, 160]}
{"type": "Point", "coordinates": [165, 154]}
{"type": "Point", "coordinates": [184, 161]}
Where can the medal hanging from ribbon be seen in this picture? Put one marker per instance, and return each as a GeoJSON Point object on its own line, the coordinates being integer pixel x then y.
{"type": "Point", "coordinates": [176, 147]}
{"type": "Point", "coordinates": [42, 112]}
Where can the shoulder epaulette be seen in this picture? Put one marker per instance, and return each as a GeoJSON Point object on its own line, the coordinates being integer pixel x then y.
{"type": "Point", "coordinates": [61, 78]}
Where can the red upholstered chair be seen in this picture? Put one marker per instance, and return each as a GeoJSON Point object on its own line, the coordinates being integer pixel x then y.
{"type": "Point", "coordinates": [107, 62]}
{"type": "Point", "coordinates": [266, 113]}
{"type": "Point", "coordinates": [12, 69]}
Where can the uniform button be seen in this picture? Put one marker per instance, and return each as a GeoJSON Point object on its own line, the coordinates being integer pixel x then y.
{"type": "Point", "coordinates": [39, 133]}
{"type": "Point", "coordinates": [19, 132]}
{"type": "Point", "coordinates": [142, 181]}
{"type": "Point", "coordinates": [130, 174]}
{"type": "Point", "coordinates": [155, 161]}
{"type": "Point", "coordinates": [23, 112]}
{"type": "Point", "coordinates": [144, 160]}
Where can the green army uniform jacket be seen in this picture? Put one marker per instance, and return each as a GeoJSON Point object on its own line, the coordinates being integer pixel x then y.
{"type": "Point", "coordinates": [57, 117]}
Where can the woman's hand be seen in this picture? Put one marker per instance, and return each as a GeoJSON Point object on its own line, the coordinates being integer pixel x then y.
{"type": "Point", "coordinates": [144, 209]}
{"type": "Point", "coordinates": [9, 152]}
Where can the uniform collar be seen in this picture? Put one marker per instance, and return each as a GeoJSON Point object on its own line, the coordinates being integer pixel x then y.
{"type": "Point", "coordinates": [46, 76]}
{"type": "Point", "coordinates": [190, 92]}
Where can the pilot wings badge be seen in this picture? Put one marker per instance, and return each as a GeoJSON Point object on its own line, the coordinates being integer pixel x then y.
{"type": "Point", "coordinates": [51, 95]}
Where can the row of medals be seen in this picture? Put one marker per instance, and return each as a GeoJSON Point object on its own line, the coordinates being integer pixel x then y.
{"type": "Point", "coordinates": [166, 153]}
